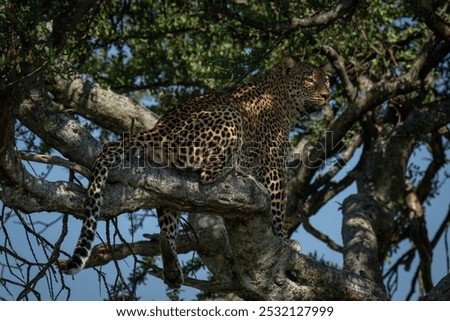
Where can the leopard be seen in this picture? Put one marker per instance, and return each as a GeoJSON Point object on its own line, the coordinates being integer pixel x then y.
{"type": "Point", "coordinates": [212, 134]}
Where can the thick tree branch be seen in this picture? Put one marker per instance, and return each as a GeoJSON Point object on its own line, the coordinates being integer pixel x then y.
{"type": "Point", "coordinates": [359, 233]}
{"type": "Point", "coordinates": [61, 130]}
{"type": "Point", "coordinates": [104, 107]}
{"type": "Point", "coordinates": [134, 188]}
{"type": "Point", "coordinates": [213, 246]}
{"type": "Point", "coordinates": [441, 292]}
{"type": "Point", "coordinates": [350, 286]}
{"type": "Point", "coordinates": [40, 195]}
{"type": "Point", "coordinates": [260, 261]}
{"type": "Point", "coordinates": [424, 8]}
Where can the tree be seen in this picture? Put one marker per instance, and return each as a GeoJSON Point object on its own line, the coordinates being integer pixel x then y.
{"type": "Point", "coordinates": [77, 74]}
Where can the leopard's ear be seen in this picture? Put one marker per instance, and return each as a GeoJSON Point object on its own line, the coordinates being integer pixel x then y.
{"type": "Point", "coordinates": [287, 65]}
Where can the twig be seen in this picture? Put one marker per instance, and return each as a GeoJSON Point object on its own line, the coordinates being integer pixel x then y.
{"type": "Point", "coordinates": [443, 228]}
{"type": "Point", "coordinates": [54, 160]}
{"type": "Point", "coordinates": [424, 188]}
{"type": "Point", "coordinates": [53, 258]}
{"type": "Point", "coordinates": [322, 19]}
{"type": "Point", "coordinates": [352, 146]}
{"type": "Point", "coordinates": [206, 286]}
{"type": "Point", "coordinates": [338, 63]}
{"type": "Point", "coordinates": [321, 236]}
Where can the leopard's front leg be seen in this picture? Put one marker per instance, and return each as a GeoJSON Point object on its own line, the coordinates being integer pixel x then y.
{"type": "Point", "coordinates": [275, 181]}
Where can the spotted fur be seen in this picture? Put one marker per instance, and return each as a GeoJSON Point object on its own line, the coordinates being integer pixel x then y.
{"type": "Point", "coordinates": [208, 134]}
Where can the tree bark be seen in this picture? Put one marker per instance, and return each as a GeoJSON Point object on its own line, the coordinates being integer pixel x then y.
{"type": "Point", "coordinates": [110, 111]}
{"type": "Point", "coordinates": [441, 292]}
{"type": "Point", "coordinates": [360, 239]}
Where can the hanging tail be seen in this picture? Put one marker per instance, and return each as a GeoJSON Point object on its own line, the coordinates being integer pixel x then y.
{"type": "Point", "coordinates": [113, 155]}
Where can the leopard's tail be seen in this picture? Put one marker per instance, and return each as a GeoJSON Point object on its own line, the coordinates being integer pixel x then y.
{"type": "Point", "coordinates": [113, 155]}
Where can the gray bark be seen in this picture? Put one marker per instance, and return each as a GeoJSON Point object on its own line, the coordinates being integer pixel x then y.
{"type": "Point", "coordinates": [110, 111]}
{"type": "Point", "coordinates": [441, 292]}
{"type": "Point", "coordinates": [359, 236]}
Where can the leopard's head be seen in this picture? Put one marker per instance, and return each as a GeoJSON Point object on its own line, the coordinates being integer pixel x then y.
{"type": "Point", "coordinates": [305, 86]}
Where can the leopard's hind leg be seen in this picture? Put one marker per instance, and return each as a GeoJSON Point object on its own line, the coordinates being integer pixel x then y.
{"type": "Point", "coordinates": [168, 220]}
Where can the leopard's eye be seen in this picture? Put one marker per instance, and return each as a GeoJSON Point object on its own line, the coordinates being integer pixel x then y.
{"type": "Point", "coordinates": [310, 81]}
